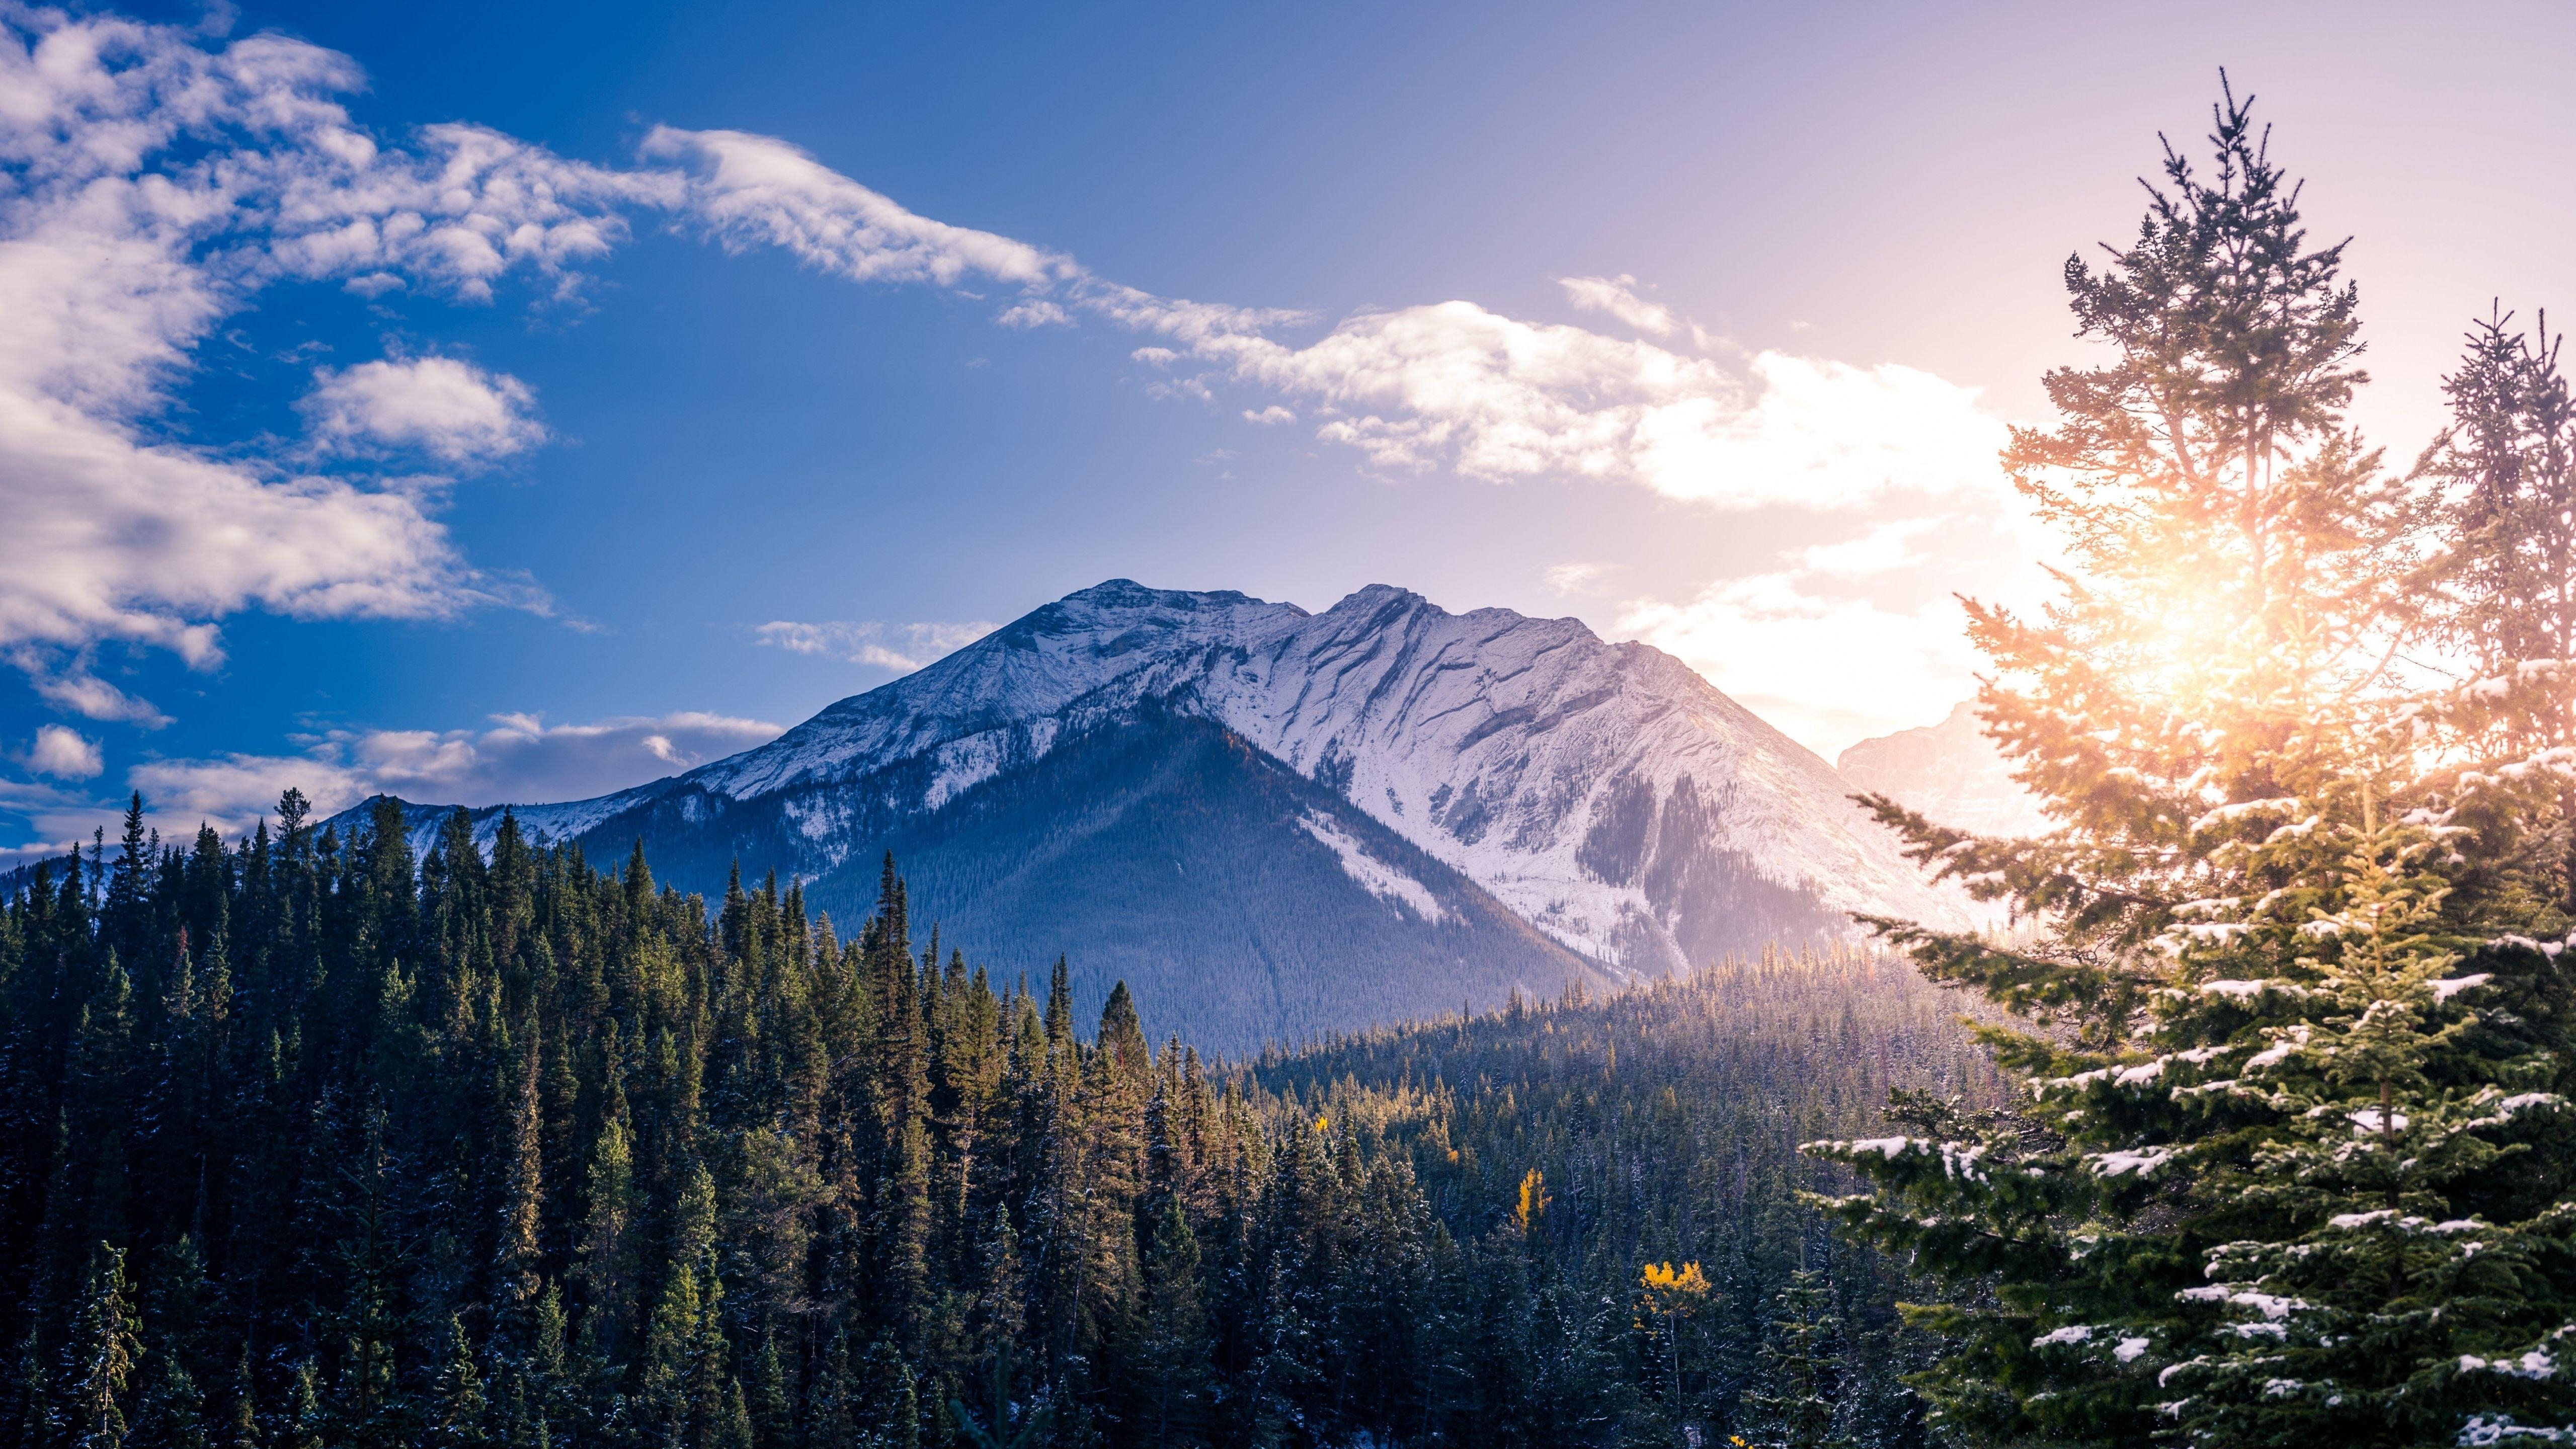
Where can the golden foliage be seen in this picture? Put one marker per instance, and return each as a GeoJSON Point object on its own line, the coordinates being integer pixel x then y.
{"type": "Point", "coordinates": [1687, 1280]}
{"type": "Point", "coordinates": [1670, 1293]}
{"type": "Point", "coordinates": [1534, 1200]}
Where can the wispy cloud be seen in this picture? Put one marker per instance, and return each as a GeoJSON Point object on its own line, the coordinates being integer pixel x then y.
{"type": "Point", "coordinates": [1618, 297]}
{"type": "Point", "coordinates": [1883, 549]}
{"type": "Point", "coordinates": [1448, 384]}
{"type": "Point", "coordinates": [511, 759]}
{"type": "Point", "coordinates": [757, 191]}
{"type": "Point", "coordinates": [1575, 578]}
{"type": "Point", "coordinates": [66, 683]}
{"type": "Point", "coordinates": [1456, 385]}
{"type": "Point", "coordinates": [1038, 313]}
{"type": "Point", "coordinates": [899, 647]}
{"type": "Point", "coordinates": [516, 758]}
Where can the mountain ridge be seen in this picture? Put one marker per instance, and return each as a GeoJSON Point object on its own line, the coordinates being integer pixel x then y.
{"type": "Point", "coordinates": [1605, 794]}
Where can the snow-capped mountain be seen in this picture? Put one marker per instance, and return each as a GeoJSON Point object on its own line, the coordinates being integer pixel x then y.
{"type": "Point", "coordinates": [1605, 794]}
{"type": "Point", "coordinates": [1950, 772]}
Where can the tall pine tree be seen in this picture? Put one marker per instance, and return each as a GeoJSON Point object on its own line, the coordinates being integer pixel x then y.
{"type": "Point", "coordinates": [2295, 1045]}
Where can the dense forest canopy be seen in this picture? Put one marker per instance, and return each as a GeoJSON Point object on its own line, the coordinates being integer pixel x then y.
{"type": "Point", "coordinates": [308, 1142]}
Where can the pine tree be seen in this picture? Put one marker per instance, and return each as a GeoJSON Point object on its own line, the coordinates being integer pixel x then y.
{"type": "Point", "coordinates": [35, 1419]}
{"type": "Point", "coordinates": [604, 1265]}
{"type": "Point", "coordinates": [170, 1412]}
{"type": "Point", "coordinates": [304, 1414]}
{"type": "Point", "coordinates": [1004, 1424]}
{"type": "Point", "coordinates": [100, 1358]}
{"type": "Point", "coordinates": [370, 1406]}
{"type": "Point", "coordinates": [680, 1346]}
{"type": "Point", "coordinates": [241, 1423]}
{"type": "Point", "coordinates": [516, 1275]}
{"type": "Point", "coordinates": [716, 1412]}
{"type": "Point", "coordinates": [548, 1373]}
{"type": "Point", "coordinates": [2295, 1049]}
{"type": "Point", "coordinates": [731, 1423]}
{"type": "Point", "coordinates": [894, 1402]}
{"type": "Point", "coordinates": [2507, 469]}
{"type": "Point", "coordinates": [461, 1412]}
{"type": "Point", "coordinates": [1799, 1379]}
{"type": "Point", "coordinates": [831, 1414]}
{"type": "Point", "coordinates": [766, 1400]}
{"type": "Point", "coordinates": [1172, 1358]}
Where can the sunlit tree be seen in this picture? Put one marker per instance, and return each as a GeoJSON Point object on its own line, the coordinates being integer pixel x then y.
{"type": "Point", "coordinates": [2293, 1036]}
{"type": "Point", "coordinates": [1667, 1296]}
{"type": "Point", "coordinates": [101, 1358]}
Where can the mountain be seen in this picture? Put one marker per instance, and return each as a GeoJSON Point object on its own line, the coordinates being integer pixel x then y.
{"type": "Point", "coordinates": [1950, 772]}
{"type": "Point", "coordinates": [1281, 821]}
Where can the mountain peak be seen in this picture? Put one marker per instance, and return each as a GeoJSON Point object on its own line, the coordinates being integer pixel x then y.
{"type": "Point", "coordinates": [1606, 794]}
{"type": "Point", "coordinates": [1129, 594]}
{"type": "Point", "coordinates": [1379, 596]}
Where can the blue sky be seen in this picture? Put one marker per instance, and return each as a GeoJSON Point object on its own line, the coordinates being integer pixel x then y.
{"type": "Point", "coordinates": [1698, 322]}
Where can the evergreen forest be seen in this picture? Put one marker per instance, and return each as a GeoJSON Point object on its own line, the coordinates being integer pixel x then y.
{"type": "Point", "coordinates": [309, 1142]}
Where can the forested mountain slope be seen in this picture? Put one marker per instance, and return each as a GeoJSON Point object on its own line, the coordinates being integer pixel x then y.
{"type": "Point", "coordinates": [311, 1141]}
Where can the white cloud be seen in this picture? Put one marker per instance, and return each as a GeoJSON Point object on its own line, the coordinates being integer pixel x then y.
{"type": "Point", "coordinates": [1883, 550]}
{"type": "Point", "coordinates": [150, 182]}
{"type": "Point", "coordinates": [63, 820]}
{"type": "Point", "coordinates": [1189, 387]}
{"type": "Point", "coordinates": [1826, 671]}
{"type": "Point", "coordinates": [85, 694]}
{"type": "Point", "coordinates": [1271, 414]}
{"type": "Point", "coordinates": [1618, 297]}
{"type": "Point", "coordinates": [1446, 384]}
{"type": "Point", "coordinates": [1498, 398]}
{"type": "Point", "coordinates": [451, 409]}
{"type": "Point", "coordinates": [37, 852]}
{"type": "Point", "coordinates": [518, 759]}
{"type": "Point", "coordinates": [899, 647]}
{"type": "Point", "coordinates": [1038, 313]}
{"type": "Point", "coordinates": [1574, 578]}
{"type": "Point", "coordinates": [64, 754]}
{"type": "Point", "coordinates": [749, 190]}
{"type": "Point", "coordinates": [1828, 647]}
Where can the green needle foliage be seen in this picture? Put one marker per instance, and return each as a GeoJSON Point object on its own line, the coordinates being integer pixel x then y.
{"type": "Point", "coordinates": [2294, 1165]}
{"type": "Point", "coordinates": [306, 1141]}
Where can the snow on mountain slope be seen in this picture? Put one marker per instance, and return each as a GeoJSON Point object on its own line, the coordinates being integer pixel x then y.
{"type": "Point", "coordinates": [1606, 792]}
{"type": "Point", "coordinates": [1559, 771]}
{"type": "Point", "coordinates": [1951, 773]}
